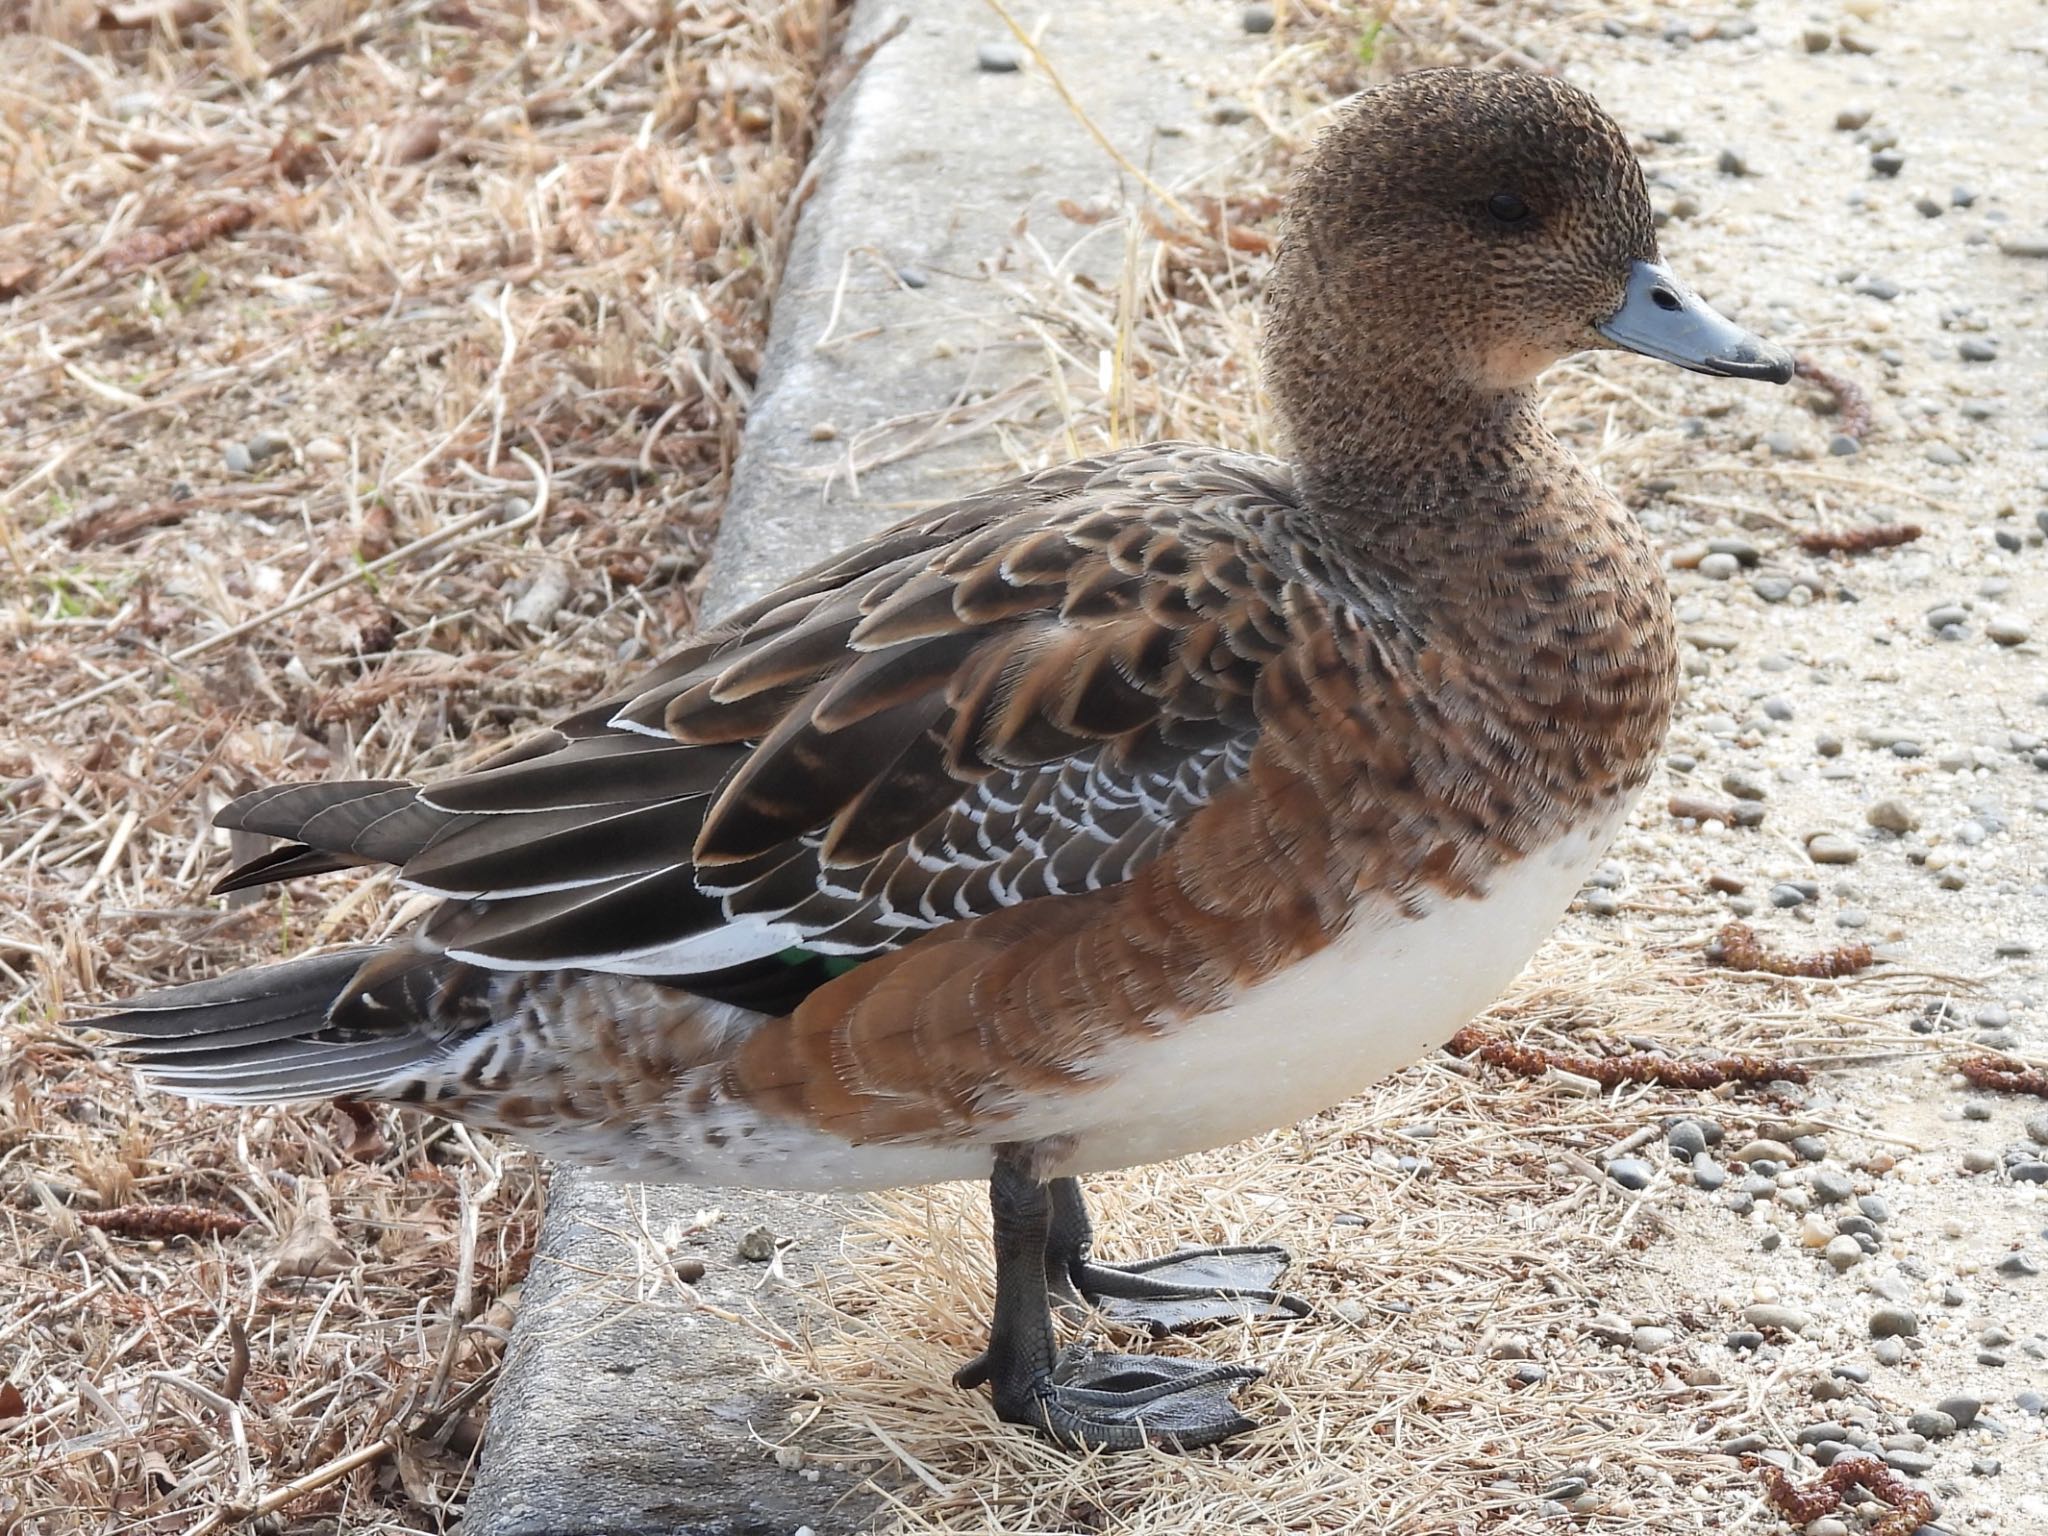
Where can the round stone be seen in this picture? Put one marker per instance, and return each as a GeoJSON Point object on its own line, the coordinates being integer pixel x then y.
{"type": "Point", "coordinates": [2006, 631]}
{"type": "Point", "coordinates": [1892, 1321]}
{"type": "Point", "coordinates": [1830, 848]}
{"type": "Point", "coordinates": [1631, 1172]}
{"type": "Point", "coordinates": [1831, 1187]}
{"type": "Point", "coordinates": [1686, 1139]}
{"type": "Point", "coordinates": [1719, 567]}
{"type": "Point", "coordinates": [1843, 1253]}
{"type": "Point", "coordinates": [1784, 1319]}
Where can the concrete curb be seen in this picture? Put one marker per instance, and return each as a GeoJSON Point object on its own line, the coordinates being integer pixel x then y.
{"type": "Point", "coordinates": [620, 1414]}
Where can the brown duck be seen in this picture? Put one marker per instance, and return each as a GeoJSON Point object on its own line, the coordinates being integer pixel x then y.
{"type": "Point", "coordinates": [1120, 811]}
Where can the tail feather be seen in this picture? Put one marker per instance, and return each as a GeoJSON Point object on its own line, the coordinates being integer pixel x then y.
{"type": "Point", "coordinates": [331, 826]}
{"type": "Point", "coordinates": [268, 1035]}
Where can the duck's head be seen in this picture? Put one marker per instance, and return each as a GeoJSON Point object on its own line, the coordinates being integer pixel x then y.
{"type": "Point", "coordinates": [1474, 227]}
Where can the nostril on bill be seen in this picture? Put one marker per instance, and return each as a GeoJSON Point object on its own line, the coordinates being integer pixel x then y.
{"type": "Point", "coordinates": [1664, 298]}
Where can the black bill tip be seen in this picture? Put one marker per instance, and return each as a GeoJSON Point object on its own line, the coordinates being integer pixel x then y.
{"type": "Point", "coordinates": [1661, 317]}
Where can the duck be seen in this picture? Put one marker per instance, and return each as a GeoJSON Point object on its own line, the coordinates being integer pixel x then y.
{"type": "Point", "coordinates": [1124, 810]}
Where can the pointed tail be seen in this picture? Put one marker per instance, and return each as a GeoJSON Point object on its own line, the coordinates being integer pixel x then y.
{"type": "Point", "coordinates": [272, 1034]}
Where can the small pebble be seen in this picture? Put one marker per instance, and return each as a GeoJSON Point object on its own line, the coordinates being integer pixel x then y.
{"type": "Point", "coordinates": [1843, 1253]}
{"type": "Point", "coordinates": [1788, 896]}
{"type": "Point", "coordinates": [1892, 816]}
{"type": "Point", "coordinates": [2017, 1266]}
{"type": "Point", "coordinates": [1827, 848]}
{"type": "Point", "coordinates": [1631, 1172]}
{"type": "Point", "coordinates": [1719, 567]}
{"type": "Point", "coordinates": [2028, 1172]}
{"type": "Point", "coordinates": [1960, 1410]}
{"type": "Point", "coordinates": [1256, 19]}
{"type": "Point", "coordinates": [1887, 162]}
{"type": "Point", "coordinates": [1708, 1174]}
{"type": "Point", "coordinates": [239, 460]}
{"type": "Point", "coordinates": [2007, 631]}
{"type": "Point", "coordinates": [1784, 1319]}
{"type": "Point", "coordinates": [1849, 119]}
{"type": "Point", "coordinates": [1932, 1423]}
{"type": "Point", "coordinates": [1888, 1351]}
{"type": "Point", "coordinates": [1686, 1139]}
{"type": "Point", "coordinates": [1894, 1322]}
{"type": "Point", "coordinates": [998, 58]}
{"type": "Point", "coordinates": [1977, 349]}
{"type": "Point", "coordinates": [758, 1246]}
{"type": "Point", "coordinates": [1830, 1187]}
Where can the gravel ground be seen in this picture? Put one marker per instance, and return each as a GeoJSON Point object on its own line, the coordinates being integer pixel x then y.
{"type": "Point", "coordinates": [1885, 712]}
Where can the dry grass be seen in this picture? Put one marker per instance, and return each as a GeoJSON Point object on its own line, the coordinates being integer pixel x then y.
{"type": "Point", "coordinates": [549, 266]}
{"type": "Point", "coordinates": [493, 280]}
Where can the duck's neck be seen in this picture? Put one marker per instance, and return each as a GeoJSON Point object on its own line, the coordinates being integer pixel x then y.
{"type": "Point", "coordinates": [1413, 449]}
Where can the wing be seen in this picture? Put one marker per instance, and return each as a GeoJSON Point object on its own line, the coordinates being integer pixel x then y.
{"type": "Point", "coordinates": [1024, 694]}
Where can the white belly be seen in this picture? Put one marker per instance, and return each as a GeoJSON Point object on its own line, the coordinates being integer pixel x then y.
{"type": "Point", "coordinates": [1385, 993]}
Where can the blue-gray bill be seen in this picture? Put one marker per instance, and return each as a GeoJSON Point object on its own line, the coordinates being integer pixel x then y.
{"type": "Point", "coordinates": [1662, 318]}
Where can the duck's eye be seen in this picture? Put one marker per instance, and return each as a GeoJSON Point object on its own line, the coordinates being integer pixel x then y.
{"type": "Point", "coordinates": [1506, 208]}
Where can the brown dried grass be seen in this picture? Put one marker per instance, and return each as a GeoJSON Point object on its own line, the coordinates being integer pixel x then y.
{"type": "Point", "coordinates": [497, 278]}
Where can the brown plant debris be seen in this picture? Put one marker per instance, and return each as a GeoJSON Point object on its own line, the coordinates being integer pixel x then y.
{"type": "Point", "coordinates": [1911, 1507]}
{"type": "Point", "coordinates": [1850, 400]}
{"type": "Point", "coordinates": [2005, 1075]}
{"type": "Point", "coordinates": [165, 1221]}
{"type": "Point", "coordinates": [1858, 541]}
{"type": "Point", "coordinates": [313, 1247]}
{"type": "Point", "coordinates": [1627, 1067]}
{"type": "Point", "coordinates": [153, 246]}
{"type": "Point", "coordinates": [1738, 948]}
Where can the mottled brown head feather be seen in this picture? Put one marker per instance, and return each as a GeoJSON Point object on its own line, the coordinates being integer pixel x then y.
{"type": "Point", "coordinates": [1400, 294]}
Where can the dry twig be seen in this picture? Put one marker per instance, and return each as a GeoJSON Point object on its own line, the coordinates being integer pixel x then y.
{"type": "Point", "coordinates": [1853, 403]}
{"type": "Point", "coordinates": [1911, 1507]}
{"type": "Point", "coordinates": [165, 1221]}
{"type": "Point", "coordinates": [1630, 1067]}
{"type": "Point", "coordinates": [1738, 948]}
{"type": "Point", "coordinates": [153, 246]}
{"type": "Point", "coordinates": [1858, 541]}
{"type": "Point", "coordinates": [2005, 1075]}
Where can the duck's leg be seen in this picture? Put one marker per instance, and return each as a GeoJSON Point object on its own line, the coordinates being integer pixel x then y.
{"type": "Point", "coordinates": [1169, 1294]}
{"type": "Point", "coordinates": [1083, 1399]}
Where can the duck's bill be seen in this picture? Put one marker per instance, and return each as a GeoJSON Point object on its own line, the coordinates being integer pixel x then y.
{"type": "Point", "coordinates": [1662, 318]}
